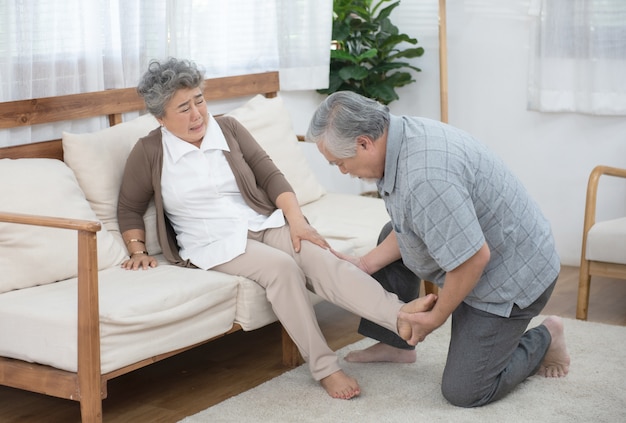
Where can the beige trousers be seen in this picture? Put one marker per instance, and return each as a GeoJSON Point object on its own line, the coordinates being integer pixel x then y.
{"type": "Point", "coordinates": [271, 261]}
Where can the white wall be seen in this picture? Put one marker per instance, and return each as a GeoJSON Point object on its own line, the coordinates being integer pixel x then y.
{"type": "Point", "coordinates": [488, 50]}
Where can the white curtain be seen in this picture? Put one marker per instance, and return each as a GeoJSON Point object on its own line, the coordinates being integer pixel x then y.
{"type": "Point", "coordinates": [58, 47]}
{"type": "Point", "coordinates": [304, 43]}
{"type": "Point", "coordinates": [578, 57]}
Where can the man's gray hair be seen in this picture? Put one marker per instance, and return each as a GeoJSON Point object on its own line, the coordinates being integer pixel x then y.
{"type": "Point", "coordinates": [162, 79]}
{"type": "Point", "coordinates": [344, 116]}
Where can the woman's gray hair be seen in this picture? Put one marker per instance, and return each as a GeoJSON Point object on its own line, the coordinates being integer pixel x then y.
{"type": "Point", "coordinates": [162, 79]}
{"type": "Point", "coordinates": [342, 118]}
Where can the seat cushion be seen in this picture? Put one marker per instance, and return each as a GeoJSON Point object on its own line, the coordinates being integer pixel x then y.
{"type": "Point", "coordinates": [606, 241]}
{"type": "Point", "coordinates": [349, 221]}
{"type": "Point", "coordinates": [143, 313]}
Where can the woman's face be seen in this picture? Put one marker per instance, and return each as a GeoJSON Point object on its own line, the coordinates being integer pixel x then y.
{"type": "Point", "coordinates": [186, 115]}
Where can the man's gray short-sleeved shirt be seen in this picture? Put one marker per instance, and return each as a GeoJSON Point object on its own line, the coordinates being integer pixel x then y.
{"type": "Point", "coordinates": [447, 194]}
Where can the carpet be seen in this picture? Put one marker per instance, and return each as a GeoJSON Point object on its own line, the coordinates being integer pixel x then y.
{"type": "Point", "coordinates": [593, 391]}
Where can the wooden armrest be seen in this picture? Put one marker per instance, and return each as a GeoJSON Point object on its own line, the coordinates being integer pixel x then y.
{"type": "Point", "coordinates": [606, 170]}
{"type": "Point", "coordinates": [592, 193]}
{"type": "Point", "coordinates": [52, 222]}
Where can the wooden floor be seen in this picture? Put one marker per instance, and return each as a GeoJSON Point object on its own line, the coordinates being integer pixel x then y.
{"type": "Point", "coordinates": [193, 381]}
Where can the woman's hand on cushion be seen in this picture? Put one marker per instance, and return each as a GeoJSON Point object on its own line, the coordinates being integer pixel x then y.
{"type": "Point", "coordinates": [139, 261]}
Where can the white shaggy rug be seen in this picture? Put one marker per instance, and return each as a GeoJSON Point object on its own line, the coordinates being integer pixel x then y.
{"type": "Point", "coordinates": [593, 392]}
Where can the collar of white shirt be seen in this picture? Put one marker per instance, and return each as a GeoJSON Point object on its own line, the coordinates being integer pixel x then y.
{"type": "Point", "coordinates": [213, 140]}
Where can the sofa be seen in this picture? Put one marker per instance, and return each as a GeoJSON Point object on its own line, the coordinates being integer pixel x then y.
{"type": "Point", "coordinates": [70, 318]}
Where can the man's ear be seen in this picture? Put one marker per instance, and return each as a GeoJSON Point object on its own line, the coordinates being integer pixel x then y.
{"type": "Point", "coordinates": [363, 142]}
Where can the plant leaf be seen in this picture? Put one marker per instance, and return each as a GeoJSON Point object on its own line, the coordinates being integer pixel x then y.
{"type": "Point", "coordinates": [342, 55]}
{"type": "Point", "coordinates": [385, 93]}
{"type": "Point", "coordinates": [367, 55]}
{"type": "Point", "coordinates": [387, 10]}
{"type": "Point", "coordinates": [353, 72]}
{"type": "Point", "coordinates": [408, 53]}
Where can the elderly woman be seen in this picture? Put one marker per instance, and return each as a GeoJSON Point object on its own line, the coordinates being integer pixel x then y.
{"type": "Point", "coordinates": [223, 205]}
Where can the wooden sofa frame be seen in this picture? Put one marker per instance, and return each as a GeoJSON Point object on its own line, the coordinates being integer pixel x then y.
{"type": "Point", "coordinates": [88, 385]}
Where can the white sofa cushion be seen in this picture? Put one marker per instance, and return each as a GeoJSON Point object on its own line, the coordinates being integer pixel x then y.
{"type": "Point", "coordinates": [267, 119]}
{"type": "Point", "coordinates": [143, 313]}
{"type": "Point", "coordinates": [98, 160]}
{"type": "Point", "coordinates": [32, 255]}
{"type": "Point", "coordinates": [253, 311]}
{"type": "Point", "coordinates": [351, 221]}
{"type": "Point", "coordinates": [606, 241]}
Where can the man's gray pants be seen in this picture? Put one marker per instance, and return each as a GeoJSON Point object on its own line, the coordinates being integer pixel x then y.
{"type": "Point", "coordinates": [488, 356]}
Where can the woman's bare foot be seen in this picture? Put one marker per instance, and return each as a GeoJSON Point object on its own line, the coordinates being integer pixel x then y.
{"type": "Point", "coordinates": [340, 385]}
{"type": "Point", "coordinates": [381, 353]}
{"type": "Point", "coordinates": [426, 303]}
{"type": "Point", "coordinates": [557, 360]}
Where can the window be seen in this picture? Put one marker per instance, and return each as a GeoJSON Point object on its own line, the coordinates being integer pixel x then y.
{"type": "Point", "coordinates": [578, 57]}
{"type": "Point", "coordinates": [54, 47]}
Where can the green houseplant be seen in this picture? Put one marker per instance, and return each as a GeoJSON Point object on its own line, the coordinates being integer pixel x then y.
{"type": "Point", "coordinates": [365, 56]}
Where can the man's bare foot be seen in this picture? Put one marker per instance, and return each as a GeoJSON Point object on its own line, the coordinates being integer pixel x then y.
{"type": "Point", "coordinates": [340, 385]}
{"type": "Point", "coordinates": [557, 360]}
{"type": "Point", "coordinates": [418, 305]}
{"type": "Point", "coordinates": [381, 353]}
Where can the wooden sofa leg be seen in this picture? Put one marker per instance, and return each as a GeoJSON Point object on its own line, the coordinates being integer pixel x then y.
{"type": "Point", "coordinates": [291, 355]}
{"type": "Point", "coordinates": [91, 409]}
{"type": "Point", "coordinates": [584, 281]}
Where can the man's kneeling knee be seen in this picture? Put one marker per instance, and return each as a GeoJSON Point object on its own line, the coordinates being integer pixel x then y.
{"type": "Point", "coordinates": [460, 396]}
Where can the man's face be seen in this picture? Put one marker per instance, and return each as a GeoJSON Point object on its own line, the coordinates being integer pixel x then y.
{"type": "Point", "coordinates": [365, 164]}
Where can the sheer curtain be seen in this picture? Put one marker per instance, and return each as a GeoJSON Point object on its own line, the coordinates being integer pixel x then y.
{"type": "Point", "coordinates": [578, 57]}
{"type": "Point", "coordinates": [304, 43]}
{"type": "Point", "coordinates": [53, 47]}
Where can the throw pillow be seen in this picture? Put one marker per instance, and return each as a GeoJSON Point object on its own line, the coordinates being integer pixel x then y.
{"type": "Point", "coordinates": [267, 119]}
{"type": "Point", "coordinates": [33, 255]}
{"type": "Point", "coordinates": [98, 160]}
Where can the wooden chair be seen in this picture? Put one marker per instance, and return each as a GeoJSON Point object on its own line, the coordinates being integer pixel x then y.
{"type": "Point", "coordinates": [604, 242]}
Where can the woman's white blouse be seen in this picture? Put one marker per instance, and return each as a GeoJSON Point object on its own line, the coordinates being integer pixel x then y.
{"type": "Point", "coordinates": [203, 203]}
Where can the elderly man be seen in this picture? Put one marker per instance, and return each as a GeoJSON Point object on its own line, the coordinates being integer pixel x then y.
{"type": "Point", "coordinates": [462, 220]}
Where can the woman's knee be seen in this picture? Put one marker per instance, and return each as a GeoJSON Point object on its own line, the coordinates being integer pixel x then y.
{"type": "Point", "coordinates": [286, 268]}
{"type": "Point", "coordinates": [278, 271]}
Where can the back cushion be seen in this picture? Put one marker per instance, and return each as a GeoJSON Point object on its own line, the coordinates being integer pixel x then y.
{"type": "Point", "coordinates": [269, 122]}
{"type": "Point", "coordinates": [33, 255]}
{"type": "Point", "coordinates": [98, 161]}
